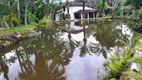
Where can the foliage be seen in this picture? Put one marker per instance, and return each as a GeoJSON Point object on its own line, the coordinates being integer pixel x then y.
{"type": "Point", "coordinates": [136, 3]}
{"type": "Point", "coordinates": [135, 75]}
{"type": "Point", "coordinates": [130, 75]}
{"type": "Point", "coordinates": [91, 2]}
{"type": "Point", "coordinates": [45, 22]}
{"type": "Point", "coordinates": [37, 9]}
{"type": "Point", "coordinates": [118, 64]}
{"type": "Point", "coordinates": [82, 1]}
{"type": "Point", "coordinates": [137, 15]}
{"type": "Point", "coordinates": [128, 2]}
{"type": "Point", "coordinates": [32, 18]}
{"type": "Point", "coordinates": [100, 5]}
{"type": "Point", "coordinates": [62, 16]}
{"type": "Point", "coordinates": [11, 18]}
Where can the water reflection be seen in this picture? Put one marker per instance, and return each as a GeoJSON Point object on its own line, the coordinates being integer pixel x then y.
{"type": "Point", "coordinates": [75, 54]}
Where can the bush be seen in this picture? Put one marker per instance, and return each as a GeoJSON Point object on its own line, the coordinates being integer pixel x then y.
{"type": "Point", "coordinates": [62, 16]}
{"type": "Point", "coordinates": [118, 64]}
{"type": "Point", "coordinates": [11, 19]}
{"type": "Point", "coordinates": [45, 22]}
{"type": "Point", "coordinates": [117, 11]}
{"type": "Point", "coordinates": [32, 18]}
{"type": "Point", "coordinates": [100, 5]}
{"type": "Point", "coordinates": [137, 15]}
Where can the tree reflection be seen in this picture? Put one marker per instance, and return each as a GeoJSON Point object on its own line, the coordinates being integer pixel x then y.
{"type": "Point", "coordinates": [49, 61]}
{"type": "Point", "coordinates": [88, 47]}
{"type": "Point", "coordinates": [84, 48]}
{"type": "Point", "coordinates": [110, 35]}
{"type": "Point", "coordinates": [45, 57]}
{"type": "Point", "coordinates": [4, 68]}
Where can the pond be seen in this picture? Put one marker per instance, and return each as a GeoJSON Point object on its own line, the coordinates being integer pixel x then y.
{"type": "Point", "coordinates": [75, 53]}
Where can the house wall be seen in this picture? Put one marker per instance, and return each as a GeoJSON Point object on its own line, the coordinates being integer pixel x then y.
{"type": "Point", "coordinates": [57, 18]}
{"type": "Point", "coordinates": [73, 9]}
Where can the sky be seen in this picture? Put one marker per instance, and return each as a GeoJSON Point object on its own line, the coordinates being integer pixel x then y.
{"type": "Point", "coordinates": [66, 0]}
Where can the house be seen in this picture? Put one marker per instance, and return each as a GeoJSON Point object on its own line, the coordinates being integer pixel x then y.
{"type": "Point", "coordinates": [76, 11]}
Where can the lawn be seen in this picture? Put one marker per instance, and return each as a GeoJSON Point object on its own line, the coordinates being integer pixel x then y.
{"type": "Point", "coordinates": [17, 29]}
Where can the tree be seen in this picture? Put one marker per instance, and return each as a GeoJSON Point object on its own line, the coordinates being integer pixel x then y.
{"type": "Point", "coordinates": [102, 5]}
{"type": "Point", "coordinates": [22, 8]}
{"type": "Point", "coordinates": [26, 11]}
{"type": "Point", "coordinates": [18, 9]}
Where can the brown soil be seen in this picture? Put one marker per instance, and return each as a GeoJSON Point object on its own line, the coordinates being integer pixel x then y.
{"type": "Point", "coordinates": [9, 39]}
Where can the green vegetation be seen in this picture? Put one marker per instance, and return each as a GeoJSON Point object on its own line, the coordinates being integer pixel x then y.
{"type": "Point", "coordinates": [27, 12]}
{"type": "Point", "coordinates": [130, 10]}
{"type": "Point", "coordinates": [100, 5]}
{"type": "Point", "coordinates": [16, 29]}
{"type": "Point", "coordinates": [135, 75]}
{"type": "Point", "coordinates": [25, 15]}
{"type": "Point", "coordinates": [62, 16]}
{"type": "Point", "coordinates": [119, 63]}
{"type": "Point", "coordinates": [11, 19]}
{"type": "Point", "coordinates": [45, 22]}
{"type": "Point", "coordinates": [32, 18]}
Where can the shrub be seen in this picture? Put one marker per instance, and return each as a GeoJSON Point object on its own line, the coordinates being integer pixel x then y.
{"type": "Point", "coordinates": [118, 64]}
{"type": "Point", "coordinates": [117, 11]}
{"type": "Point", "coordinates": [100, 5]}
{"type": "Point", "coordinates": [137, 15]}
{"type": "Point", "coordinates": [45, 22]}
{"type": "Point", "coordinates": [62, 16]}
{"type": "Point", "coordinates": [32, 18]}
{"type": "Point", "coordinates": [11, 19]}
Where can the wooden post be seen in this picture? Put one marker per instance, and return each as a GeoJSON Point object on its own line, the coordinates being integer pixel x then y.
{"type": "Point", "coordinates": [88, 15]}
{"type": "Point", "coordinates": [83, 9]}
{"type": "Point", "coordinates": [81, 16]}
{"type": "Point", "coordinates": [68, 12]}
{"type": "Point", "coordinates": [93, 15]}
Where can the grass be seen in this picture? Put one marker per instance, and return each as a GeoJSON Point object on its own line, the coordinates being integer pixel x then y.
{"type": "Point", "coordinates": [16, 29]}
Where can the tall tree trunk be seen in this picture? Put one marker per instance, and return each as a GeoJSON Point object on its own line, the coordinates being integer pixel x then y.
{"type": "Point", "coordinates": [18, 9]}
{"type": "Point", "coordinates": [6, 24]}
{"type": "Point", "coordinates": [103, 6]}
{"type": "Point", "coordinates": [26, 11]}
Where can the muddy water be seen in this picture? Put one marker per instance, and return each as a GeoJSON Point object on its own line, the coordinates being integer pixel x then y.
{"type": "Point", "coordinates": [75, 53]}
